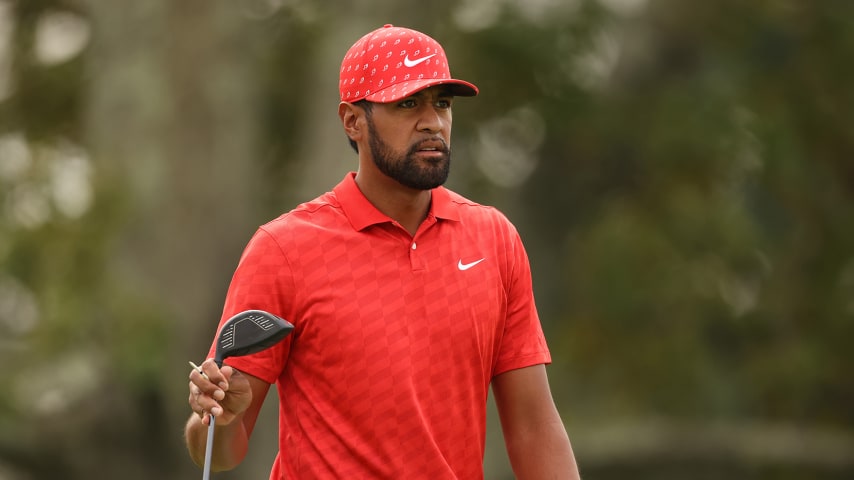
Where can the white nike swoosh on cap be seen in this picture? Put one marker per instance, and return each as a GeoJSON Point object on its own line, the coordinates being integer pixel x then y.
{"type": "Point", "coordinates": [465, 266]}
{"type": "Point", "coordinates": [412, 63]}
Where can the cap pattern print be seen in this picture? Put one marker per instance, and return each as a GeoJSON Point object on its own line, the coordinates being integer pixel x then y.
{"type": "Point", "coordinates": [391, 63]}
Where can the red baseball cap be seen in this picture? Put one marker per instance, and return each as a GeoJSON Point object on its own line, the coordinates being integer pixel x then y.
{"type": "Point", "coordinates": [391, 63]}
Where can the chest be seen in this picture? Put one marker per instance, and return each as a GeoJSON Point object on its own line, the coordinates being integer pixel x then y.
{"type": "Point", "coordinates": [440, 295]}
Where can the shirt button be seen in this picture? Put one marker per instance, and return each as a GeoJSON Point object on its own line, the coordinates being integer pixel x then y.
{"type": "Point", "coordinates": [414, 246]}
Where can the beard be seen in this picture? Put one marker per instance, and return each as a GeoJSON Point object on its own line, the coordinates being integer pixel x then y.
{"type": "Point", "coordinates": [406, 168]}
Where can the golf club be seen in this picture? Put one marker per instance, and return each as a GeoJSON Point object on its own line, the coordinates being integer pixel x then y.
{"type": "Point", "coordinates": [244, 334]}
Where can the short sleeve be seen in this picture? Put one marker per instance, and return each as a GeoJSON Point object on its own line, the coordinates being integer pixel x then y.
{"type": "Point", "coordinates": [262, 281]}
{"type": "Point", "coordinates": [523, 343]}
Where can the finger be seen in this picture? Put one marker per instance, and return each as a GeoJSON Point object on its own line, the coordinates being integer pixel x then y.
{"type": "Point", "coordinates": [202, 403]}
{"type": "Point", "coordinates": [215, 374]}
{"type": "Point", "coordinates": [199, 369]}
{"type": "Point", "coordinates": [199, 386]}
{"type": "Point", "coordinates": [206, 395]}
{"type": "Point", "coordinates": [194, 400]}
{"type": "Point", "coordinates": [200, 378]}
{"type": "Point", "coordinates": [227, 373]}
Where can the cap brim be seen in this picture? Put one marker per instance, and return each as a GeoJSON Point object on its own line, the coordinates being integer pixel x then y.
{"type": "Point", "coordinates": [393, 93]}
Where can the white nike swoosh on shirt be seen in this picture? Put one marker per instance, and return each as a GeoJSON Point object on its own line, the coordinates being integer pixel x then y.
{"type": "Point", "coordinates": [465, 266]}
{"type": "Point", "coordinates": [412, 63]}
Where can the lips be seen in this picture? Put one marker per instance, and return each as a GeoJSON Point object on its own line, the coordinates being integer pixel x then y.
{"type": "Point", "coordinates": [431, 146]}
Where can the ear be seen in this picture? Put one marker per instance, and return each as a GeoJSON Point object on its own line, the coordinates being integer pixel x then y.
{"type": "Point", "coordinates": [352, 120]}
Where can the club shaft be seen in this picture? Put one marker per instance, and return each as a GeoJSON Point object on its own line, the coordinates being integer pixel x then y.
{"type": "Point", "coordinates": [209, 450]}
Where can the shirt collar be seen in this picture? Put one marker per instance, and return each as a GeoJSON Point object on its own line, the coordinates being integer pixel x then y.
{"type": "Point", "coordinates": [362, 213]}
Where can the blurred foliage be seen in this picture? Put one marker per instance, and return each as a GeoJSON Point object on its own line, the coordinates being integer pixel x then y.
{"type": "Point", "coordinates": [681, 173]}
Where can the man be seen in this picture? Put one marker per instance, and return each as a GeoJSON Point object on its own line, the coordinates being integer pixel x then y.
{"type": "Point", "coordinates": [408, 302]}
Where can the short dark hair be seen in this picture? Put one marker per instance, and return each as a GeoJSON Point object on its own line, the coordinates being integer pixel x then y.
{"type": "Point", "coordinates": [368, 108]}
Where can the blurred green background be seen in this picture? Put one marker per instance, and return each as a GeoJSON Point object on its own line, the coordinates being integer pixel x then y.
{"type": "Point", "coordinates": [682, 174]}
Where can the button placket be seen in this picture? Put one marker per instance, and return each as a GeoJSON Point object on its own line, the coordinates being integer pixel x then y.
{"type": "Point", "coordinates": [415, 261]}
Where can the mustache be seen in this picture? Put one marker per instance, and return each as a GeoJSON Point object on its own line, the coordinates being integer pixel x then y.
{"type": "Point", "coordinates": [438, 143]}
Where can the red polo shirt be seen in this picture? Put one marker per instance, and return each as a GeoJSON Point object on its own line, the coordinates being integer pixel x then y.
{"type": "Point", "coordinates": [396, 337]}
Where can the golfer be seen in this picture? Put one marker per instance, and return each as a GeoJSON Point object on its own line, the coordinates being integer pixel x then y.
{"type": "Point", "coordinates": [408, 301]}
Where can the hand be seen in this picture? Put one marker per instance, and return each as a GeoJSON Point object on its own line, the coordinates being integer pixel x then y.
{"type": "Point", "coordinates": [224, 393]}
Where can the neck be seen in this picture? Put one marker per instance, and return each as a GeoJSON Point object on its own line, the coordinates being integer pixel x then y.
{"type": "Point", "coordinates": [406, 206]}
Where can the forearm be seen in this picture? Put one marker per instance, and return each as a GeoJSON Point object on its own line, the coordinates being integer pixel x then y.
{"type": "Point", "coordinates": [231, 443]}
{"type": "Point", "coordinates": [536, 439]}
{"type": "Point", "coordinates": [542, 453]}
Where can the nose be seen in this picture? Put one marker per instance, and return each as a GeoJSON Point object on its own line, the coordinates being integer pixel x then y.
{"type": "Point", "coordinates": [431, 120]}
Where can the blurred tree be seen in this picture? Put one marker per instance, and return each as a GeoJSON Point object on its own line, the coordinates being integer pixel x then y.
{"type": "Point", "coordinates": [700, 164]}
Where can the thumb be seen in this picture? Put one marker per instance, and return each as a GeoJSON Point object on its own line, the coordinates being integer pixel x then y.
{"type": "Point", "coordinates": [227, 372]}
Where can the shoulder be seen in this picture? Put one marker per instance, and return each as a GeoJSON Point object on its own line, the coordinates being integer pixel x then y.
{"type": "Point", "coordinates": [326, 208]}
{"type": "Point", "coordinates": [476, 214]}
{"type": "Point", "coordinates": [306, 220]}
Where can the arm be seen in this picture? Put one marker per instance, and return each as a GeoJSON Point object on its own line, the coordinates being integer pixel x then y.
{"type": "Point", "coordinates": [536, 439]}
{"type": "Point", "coordinates": [235, 399]}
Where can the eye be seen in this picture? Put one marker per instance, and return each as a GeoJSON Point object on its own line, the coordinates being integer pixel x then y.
{"type": "Point", "coordinates": [408, 103]}
{"type": "Point", "coordinates": [444, 103]}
